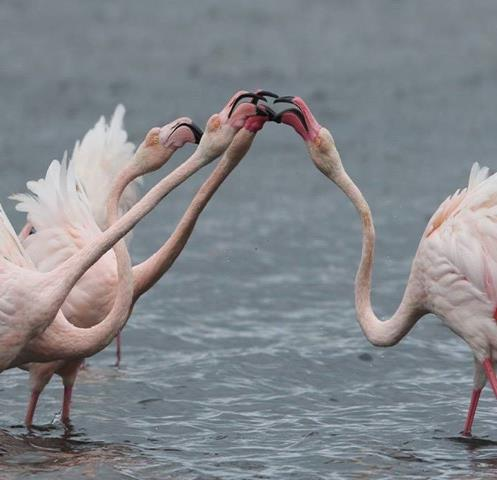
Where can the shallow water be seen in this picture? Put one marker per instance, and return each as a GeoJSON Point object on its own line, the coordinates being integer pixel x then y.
{"type": "Point", "coordinates": [246, 362]}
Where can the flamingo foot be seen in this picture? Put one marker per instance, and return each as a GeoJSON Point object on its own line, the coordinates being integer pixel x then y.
{"type": "Point", "coordinates": [33, 401]}
{"type": "Point", "coordinates": [66, 404]}
{"type": "Point", "coordinates": [475, 397]}
{"type": "Point", "coordinates": [118, 350]}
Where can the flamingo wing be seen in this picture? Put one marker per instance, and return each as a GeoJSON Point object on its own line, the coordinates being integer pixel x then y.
{"type": "Point", "coordinates": [59, 210]}
{"type": "Point", "coordinates": [98, 159]}
{"type": "Point", "coordinates": [10, 246]}
{"type": "Point", "coordinates": [463, 231]}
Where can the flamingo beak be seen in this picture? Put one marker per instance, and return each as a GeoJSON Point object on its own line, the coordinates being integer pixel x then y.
{"type": "Point", "coordinates": [183, 132]}
{"type": "Point", "coordinates": [266, 93]}
{"type": "Point", "coordinates": [285, 99]}
{"type": "Point", "coordinates": [284, 115]}
{"type": "Point", "coordinates": [253, 96]}
{"type": "Point", "coordinates": [299, 116]}
{"type": "Point", "coordinates": [197, 132]}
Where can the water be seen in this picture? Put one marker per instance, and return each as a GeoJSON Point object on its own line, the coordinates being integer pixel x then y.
{"type": "Point", "coordinates": [246, 361]}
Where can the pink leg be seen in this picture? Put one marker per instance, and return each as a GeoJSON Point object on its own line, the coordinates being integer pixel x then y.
{"type": "Point", "coordinates": [475, 396]}
{"type": "Point", "coordinates": [118, 349]}
{"type": "Point", "coordinates": [489, 371]}
{"type": "Point", "coordinates": [33, 401]}
{"type": "Point", "coordinates": [66, 404]}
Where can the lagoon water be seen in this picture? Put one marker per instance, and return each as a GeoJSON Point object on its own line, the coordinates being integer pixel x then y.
{"type": "Point", "coordinates": [246, 361]}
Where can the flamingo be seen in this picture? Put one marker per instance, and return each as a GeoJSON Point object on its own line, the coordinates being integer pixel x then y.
{"type": "Point", "coordinates": [52, 242]}
{"type": "Point", "coordinates": [454, 271]}
{"type": "Point", "coordinates": [36, 330]}
{"type": "Point", "coordinates": [144, 275]}
{"type": "Point", "coordinates": [102, 153]}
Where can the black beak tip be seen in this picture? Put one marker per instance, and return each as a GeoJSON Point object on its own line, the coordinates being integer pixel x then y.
{"type": "Point", "coordinates": [266, 111]}
{"type": "Point", "coordinates": [197, 132]}
{"type": "Point", "coordinates": [270, 113]}
{"type": "Point", "coordinates": [296, 112]}
{"type": "Point", "coordinates": [253, 96]}
{"type": "Point", "coordinates": [285, 99]}
{"type": "Point", "coordinates": [267, 93]}
{"type": "Point", "coordinates": [257, 98]}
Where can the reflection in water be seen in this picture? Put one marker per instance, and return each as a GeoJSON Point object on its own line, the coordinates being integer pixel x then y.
{"type": "Point", "coordinates": [473, 443]}
{"type": "Point", "coordinates": [36, 453]}
{"type": "Point", "coordinates": [482, 455]}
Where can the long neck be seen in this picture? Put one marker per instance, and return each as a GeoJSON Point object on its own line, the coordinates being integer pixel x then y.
{"type": "Point", "coordinates": [387, 332]}
{"type": "Point", "coordinates": [62, 340]}
{"type": "Point", "coordinates": [147, 273]}
{"type": "Point", "coordinates": [66, 275]}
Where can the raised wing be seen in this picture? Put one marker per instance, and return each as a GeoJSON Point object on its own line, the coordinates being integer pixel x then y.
{"type": "Point", "coordinates": [59, 210]}
{"type": "Point", "coordinates": [99, 158]}
{"type": "Point", "coordinates": [10, 246]}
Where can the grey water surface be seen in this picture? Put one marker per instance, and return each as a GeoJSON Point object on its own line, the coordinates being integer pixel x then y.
{"type": "Point", "coordinates": [246, 361]}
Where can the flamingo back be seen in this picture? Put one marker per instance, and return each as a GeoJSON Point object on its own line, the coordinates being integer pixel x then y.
{"type": "Point", "coordinates": [463, 232]}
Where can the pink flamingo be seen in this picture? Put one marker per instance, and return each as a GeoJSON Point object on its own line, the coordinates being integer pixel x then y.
{"type": "Point", "coordinates": [145, 275]}
{"type": "Point", "coordinates": [102, 153]}
{"type": "Point", "coordinates": [454, 271]}
{"type": "Point", "coordinates": [62, 228]}
{"type": "Point", "coordinates": [35, 330]}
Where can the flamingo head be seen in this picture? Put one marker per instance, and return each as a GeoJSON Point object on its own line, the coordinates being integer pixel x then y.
{"type": "Point", "coordinates": [175, 134]}
{"type": "Point", "coordinates": [160, 143]}
{"type": "Point", "coordinates": [318, 139]}
{"type": "Point", "coordinates": [241, 111]}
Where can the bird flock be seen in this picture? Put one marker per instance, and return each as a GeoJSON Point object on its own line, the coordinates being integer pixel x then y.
{"type": "Point", "coordinates": [68, 287]}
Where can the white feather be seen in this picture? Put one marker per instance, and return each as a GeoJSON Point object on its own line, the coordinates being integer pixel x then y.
{"type": "Point", "coordinates": [10, 246]}
{"type": "Point", "coordinates": [98, 159]}
{"type": "Point", "coordinates": [463, 231]}
{"type": "Point", "coordinates": [60, 212]}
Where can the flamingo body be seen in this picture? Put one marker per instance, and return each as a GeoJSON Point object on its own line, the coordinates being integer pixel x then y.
{"type": "Point", "coordinates": [454, 271]}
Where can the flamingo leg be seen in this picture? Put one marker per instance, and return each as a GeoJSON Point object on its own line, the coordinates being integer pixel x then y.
{"type": "Point", "coordinates": [489, 372]}
{"type": "Point", "coordinates": [118, 350]}
{"type": "Point", "coordinates": [66, 403]}
{"type": "Point", "coordinates": [475, 396]}
{"type": "Point", "coordinates": [33, 401]}
{"type": "Point", "coordinates": [69, 374]}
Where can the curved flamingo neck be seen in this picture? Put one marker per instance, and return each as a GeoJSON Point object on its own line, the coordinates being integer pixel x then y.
{"type": "Point", "coordinates": [59, 282]}
{"type": "Point", "coordinates": [149, 272]}
{"type": "Point", "coordinates": [62, 340]}
{"type": "Point", "coordinates": [382, 333]}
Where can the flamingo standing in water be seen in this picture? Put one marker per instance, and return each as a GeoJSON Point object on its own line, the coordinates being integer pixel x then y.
{"type": "Point", "coordinates": [36, 330]}
{"type": "Point", "coordinates": [62, 228]}
{"type": "Point", "coordinates": [454, 271]}
{"type": "Point", "coordinates": [147, 273]}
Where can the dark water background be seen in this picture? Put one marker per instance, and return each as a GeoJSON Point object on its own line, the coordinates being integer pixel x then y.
{"type": "Point", "coordinates": [246, 361]}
